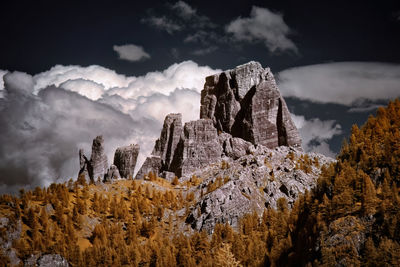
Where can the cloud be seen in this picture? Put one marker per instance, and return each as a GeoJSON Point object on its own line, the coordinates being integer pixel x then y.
{"type": "Point", "coordinates": [184, 10]}
{"type": "Point", "coordinates": [204, 51]}
{"type": "Point", "coordinates": [364, 108]}
{"type": "Point", "coordinates": [343, 82]}
{"type": "Point", "coordinates": [18, 83]}
{"type": "Point", "coordinates": [264, 26]}
{"type": "Point", "coordinates": [316, 133]}
{"type": "Point", "coordinates": [43, 125]}
{"type": "Point", "coordinates": [60, 74]}
{"type": "Point", "coordinates": [131, 52]}
{"type": "Point", "coordinates": [90, 89]}
{"type": "Point", "coordinates": [42, 133]}
{"type": "Point", "coordinates": [163, 23]}
{"type": "Point", "coordinates": [188, 13]}
{"type": "Point", "coordinates": [186, 74]}
{"type": "Point", "coordinates": [2, 73]}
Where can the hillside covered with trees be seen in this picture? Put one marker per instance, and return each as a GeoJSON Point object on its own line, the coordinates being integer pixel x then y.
{"type": "Point", "coordinates": [352, 217]}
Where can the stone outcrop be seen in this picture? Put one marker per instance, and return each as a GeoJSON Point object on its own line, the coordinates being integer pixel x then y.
{"type": "Point", "coordinates": [98, 159]}
{"type": "Point", "coordinates": [234, 147]}
{"type": "Point", "coordinates": [11, 231]}
{"type": "Point", "coordinates": [151, 164]}
{"type": "Point", "coordinates": [46, 260]}
{"type": "Point", "coordinates": [163, 155]}
{"type": "Point", "coordinates": [198, 147]}
{"type": "Point", "coordinates": [181, 150]}
{"type": "Point", "coordinates": [97, 166]}
{"type": "Point", "coordinates": [84, 165]}
{"type": "Point", "coordinates": [112, 174]}
{"type": "Point", "coordinates": [246, 103]}
{"type": "Point", "coordinates": [250, 183]}
{"type": "Point", "coordinates": [125, 159]}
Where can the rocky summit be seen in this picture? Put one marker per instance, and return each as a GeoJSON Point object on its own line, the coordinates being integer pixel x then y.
{"type": "Point", "coordinates": [241, 107]}
{"type": "Point", "coordinates": [246, 103]}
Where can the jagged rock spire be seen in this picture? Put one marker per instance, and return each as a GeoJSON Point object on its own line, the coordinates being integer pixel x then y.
{"type": "Point", "coordinates": [163, 153]}
{"type": "Point", "coordinates": [246, 103]}
{"type": "Point", "coordinates": [125, 159]}
{"type": "Point", "coordinates": [98, 159]}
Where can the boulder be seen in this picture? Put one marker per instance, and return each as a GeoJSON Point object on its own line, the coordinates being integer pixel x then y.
{"type": "Point", "coordinates": [125, 159]}
{"type": "Point", "coordinates": [234, 147]}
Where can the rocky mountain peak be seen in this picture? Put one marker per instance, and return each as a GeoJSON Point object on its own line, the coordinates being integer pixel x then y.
{"type": "Point", "coordinates": [246, 103]}
{"type": "Point", "coordinates": [239, 108]}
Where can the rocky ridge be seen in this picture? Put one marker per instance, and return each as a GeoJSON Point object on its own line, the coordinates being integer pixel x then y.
{"type": "Point", "coordinates": [245, 149]}
{"type": "Point", "coordinates": [242, 105]}
{"type": "Point", "coordinates": [253, 182]}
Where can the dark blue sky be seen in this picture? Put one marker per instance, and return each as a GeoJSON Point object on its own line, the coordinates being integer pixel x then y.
{"type": "Point", "coordinates": [37, 35]}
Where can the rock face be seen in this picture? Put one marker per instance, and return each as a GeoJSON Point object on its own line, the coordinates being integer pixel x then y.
{"type": "Point", "coordinates": [246, 103]}
{"type": "Point", "coordinates": [84, 165]}
{"type": "Point", "coordinates": [97, 165]}
{"type": "Point", "coordinates": [166, 145]}
{"type": "Point", "coordinates": [181, 150]}
{"type": "Point", "coordinates": [47, 260]}
{"type": "Point", "coordinates": [98, 159]}
{"type": "Point", "coordinates": [163, 154]}
{"type": "Point", "coordinates": [151, 164]}
{"type": "Point", "coordinates": [112, 174]}
{"type": "Point", "coordinates": [198, 147]}
{"type": "Point", "coordinates": [125, 159]}
{"type": "Point", "coordinates": [251, 183]}
{"type": "Point", "coordinates": [11, 232]}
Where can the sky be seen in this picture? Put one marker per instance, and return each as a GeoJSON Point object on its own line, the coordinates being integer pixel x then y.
{"type": "Point", "coordinates": [70, 71]}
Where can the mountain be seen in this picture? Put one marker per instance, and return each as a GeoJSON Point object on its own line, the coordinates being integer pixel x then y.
{"type": "Point", "coordinates": [232, 188]}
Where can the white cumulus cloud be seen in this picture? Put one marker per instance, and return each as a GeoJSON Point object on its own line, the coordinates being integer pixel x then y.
{"type": "Point", "coordinates": [47, 117]}
{"type": "Point", "coordinates": [315, 133]}
{"type": "Point", "coordinates": [60, 74]}
{"type": "Point", "coordinates": [187, 74]}
{"type": "Point", "coordinates": [344, 82]}
{"type": "Point", "coordinates": [265, 26]}
{"type": "Point", "coordinates": [131, 52]}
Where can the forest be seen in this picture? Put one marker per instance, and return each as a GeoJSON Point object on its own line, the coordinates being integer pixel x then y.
{"type": "Point", "coordinates": [351, 217]}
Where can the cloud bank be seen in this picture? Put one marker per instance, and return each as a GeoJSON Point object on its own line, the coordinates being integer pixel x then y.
{"type": "Point", "coordinates": [264, 26]}
{"type": "Point", "coordinates": [47, 117]}
{"type": "Point", "coordinates": [131, 52]}
{"type": "Point", "coordinates": [346, 83]}
{"type": "Point", "coordinates": [316, 133]}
